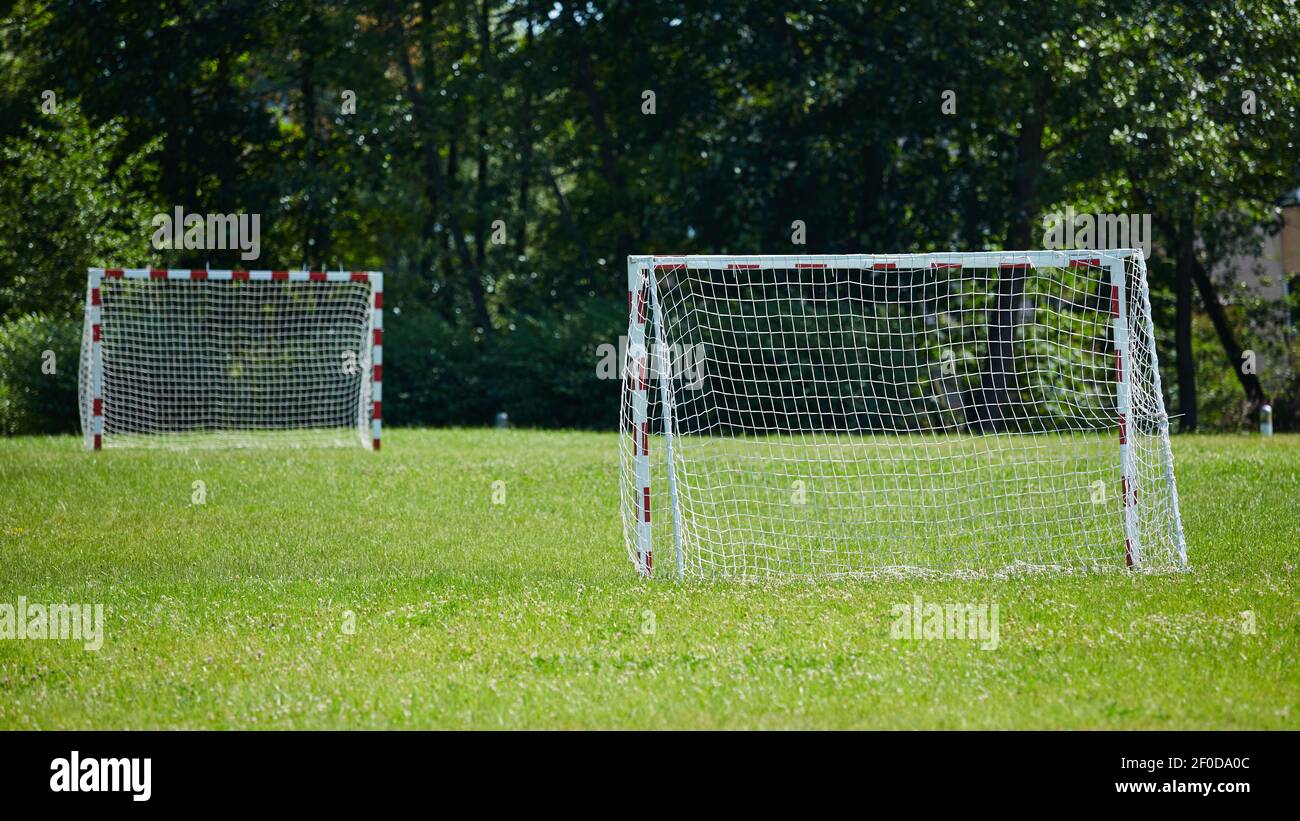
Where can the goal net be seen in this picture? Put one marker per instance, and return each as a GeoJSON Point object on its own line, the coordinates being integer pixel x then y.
{"type": "Point", "coordinates": [232, 358]}
{"type": "Point", "coordinates": [841, 415]}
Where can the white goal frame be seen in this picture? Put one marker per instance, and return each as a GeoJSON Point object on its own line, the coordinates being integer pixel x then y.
{"type": "Point", "coordinates": [648, 378]}
{"type": "Point", "coordinates": [92, 388]}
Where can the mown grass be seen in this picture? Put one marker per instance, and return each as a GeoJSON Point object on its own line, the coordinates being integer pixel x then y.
{"type": "Point", "coordinates": [319, 589]}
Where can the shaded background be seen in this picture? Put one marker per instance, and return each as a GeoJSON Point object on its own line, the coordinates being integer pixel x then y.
{"type": "Point", "coordinates": [533, 114]}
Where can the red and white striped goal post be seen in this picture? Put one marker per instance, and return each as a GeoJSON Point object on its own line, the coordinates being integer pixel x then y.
{"type": "Point", "coordinates": [642, 271]}
{"type": "Point", "coordinates": [95, 276]}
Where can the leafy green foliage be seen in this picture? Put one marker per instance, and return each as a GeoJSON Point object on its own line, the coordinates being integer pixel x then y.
{"type": "Point", "coordinates": [39, 359]}
{"type": "Point", "coordinates": [539, 370]}
{"type": "Point", "coordinates": [66, 203]}
{"type": "Point", "coordinates": [499, 165]}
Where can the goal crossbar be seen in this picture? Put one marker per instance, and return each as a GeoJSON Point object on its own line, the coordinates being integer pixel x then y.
{"type": "Point", "coordinates": [971, 259]}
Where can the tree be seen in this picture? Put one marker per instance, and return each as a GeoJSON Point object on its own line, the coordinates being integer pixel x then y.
{"type": "Point", "coordinates": [1206, 164]}
{"type": "Point", "coordinates": [66, 205]}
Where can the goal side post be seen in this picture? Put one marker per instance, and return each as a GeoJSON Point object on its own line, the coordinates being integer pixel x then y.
{"type": "Point", "coordinates": [1123, 406]}
{"type": "Point", "coordinates": [664, 376]}
{"type": "Point", "coordinates": [92, 342]}
{"type": "Point", "coordinates": [636, 386]}
{"type": "Point", "coordinates": [376, 357]}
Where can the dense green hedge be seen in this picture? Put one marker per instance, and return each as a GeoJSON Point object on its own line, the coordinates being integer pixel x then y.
{"type": "Point", "coordinates": [541, 371]}
{"type": "Point", "coordinates": [32, 400]}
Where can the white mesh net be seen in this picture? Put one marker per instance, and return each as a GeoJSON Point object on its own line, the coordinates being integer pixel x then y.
{"type": "Point", "coordinates": [843, 415]}
{"type": "Point", "coordinates": [226, 362]}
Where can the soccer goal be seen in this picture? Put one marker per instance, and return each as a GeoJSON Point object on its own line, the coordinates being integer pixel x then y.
{"type": "Point", "coordinates": [232, 358]}
{"type": "Point", "coordinates": [841, 415]}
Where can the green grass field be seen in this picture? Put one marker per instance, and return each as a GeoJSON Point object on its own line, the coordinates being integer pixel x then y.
{"type": "Point", "coordinates": [347, 589]}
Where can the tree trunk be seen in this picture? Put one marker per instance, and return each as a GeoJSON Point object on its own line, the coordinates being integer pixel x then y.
{"type": "Point", "coordinates": [481, 171]}
{"type": "Point", "coordinates": [1214, 307]}
{"type": "Point", "coordinates": [606, 148]}
{"type": "Point", "coordinates": [526, 138]}
{"type": "Point", "coordinates": [435, 180]}
{"type": "Point", "coordinates": [428, 245]}
{"type": "Point", "coordinates": [1026, 176]}
{"type": "Point", "coordinates": [579, 239]}
{"type": "Point", "coordinates": [1183, 357]}
{"type": "Point", "coordinates": [312, 241]}
{"type": "Point", "coordinates": [994, 407]}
